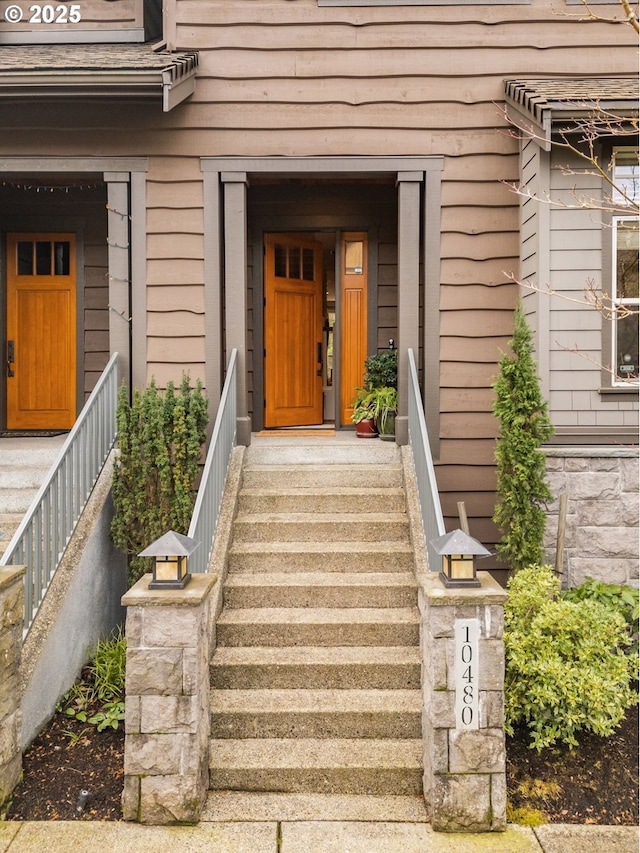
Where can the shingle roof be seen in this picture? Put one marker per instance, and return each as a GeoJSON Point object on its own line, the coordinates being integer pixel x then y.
{"type": "Point", "coordinates": [537, 105]}
{"type": "Point", "coordinates": [568, 94]}
{"type": "Point", "coordinates": [96, 70]}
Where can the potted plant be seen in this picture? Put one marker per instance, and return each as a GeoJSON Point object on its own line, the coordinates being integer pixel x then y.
{"type": "Point", "coordinates": [385, 409]}
{"type": "Point", "coordinates": [364, 413]}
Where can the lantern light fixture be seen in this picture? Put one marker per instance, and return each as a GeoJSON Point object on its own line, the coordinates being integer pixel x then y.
{"type": "Point", "coordinates": [170, 565]}
{"type": "Point", "coordinates": [458, 551]}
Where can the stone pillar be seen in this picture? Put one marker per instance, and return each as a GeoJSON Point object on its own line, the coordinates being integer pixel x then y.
{"type": "Point", "coordinates": [11, 625]}
{"type": "Point", "coordinates": [166, 761]}
{"type": "Point", "coordinates": [463, 705]}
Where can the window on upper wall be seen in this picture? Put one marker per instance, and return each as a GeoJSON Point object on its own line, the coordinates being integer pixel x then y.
{"type": "Point", "coordinates": [625, 273]}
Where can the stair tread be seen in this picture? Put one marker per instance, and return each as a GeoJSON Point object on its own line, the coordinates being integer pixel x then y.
{"type": "Point", "coordinates": [308, 753]}
{"type": "Point", "coordinates": [322, 517]}
{"type": "Point", "coordinates": [320, 579]}
{"type": "Point", "coordinates": [276, 806]}
{"type": "Point", "coordinates": [301, 700]}
{"type": "Point", "coordinates": [341, 491]}
{"type": "Point", "coordinates": [347, 546]}
{"type": "Point", "coordinates": [308, 655]}
{"type": "Point", "coordinates": [315, 615]}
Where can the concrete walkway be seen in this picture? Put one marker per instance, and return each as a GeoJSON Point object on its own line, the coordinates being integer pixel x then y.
{"type": "Point", "coordinates": [306, 837]}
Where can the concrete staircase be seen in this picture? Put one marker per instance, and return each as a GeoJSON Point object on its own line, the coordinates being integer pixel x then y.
{"type": "Point", "coordinates": [24, 465]}
{"type": "Point", "coordinates": [316, 675]}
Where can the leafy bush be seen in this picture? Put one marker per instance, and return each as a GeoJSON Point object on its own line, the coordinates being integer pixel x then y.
{"type": "Point", "coordinates": [566, 667]}
{"type": "Point", "coordinates": [159, 442]}
{"type": "Point", "coordinates": [624, 599]}
{"type": "Point", "coordinates": [522, 488]}
{"type": "Point", "coordinates": [102, 687]}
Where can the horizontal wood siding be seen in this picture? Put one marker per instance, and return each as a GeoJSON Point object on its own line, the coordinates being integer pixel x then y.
{"type": "Point", "coordinates": [175, 270]}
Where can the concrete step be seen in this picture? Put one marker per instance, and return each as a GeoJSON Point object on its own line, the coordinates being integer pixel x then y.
{"type": "Point", "coordinates": [350, 453]}
{"type": "Point", "coordinates": [311, 626]}
{"type": "Point", "coordinates": [298, 527]}
{"type": "Point", "coordinates": [234, 806]}
{"type": "Point", "coordinates": [305, 765]}
{"type": "Point", "coordinates": [327, 476]}
{"type": "Point", "coordinates": [320, 589]}
{"type": "Point", "coordinates": [331, 556]}
{"type": "Point", "coordinates": [318, 500]}
{"type": "Point", "coordinates": [282, 667]}
{"type": "Point", "coordinates": [316, 713]}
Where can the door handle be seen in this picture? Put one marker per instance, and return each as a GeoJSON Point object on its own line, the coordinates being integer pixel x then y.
{"type": "Point", "coordinates": [319, 358]}
{"type": "Point", "coordinates": [10, 357]}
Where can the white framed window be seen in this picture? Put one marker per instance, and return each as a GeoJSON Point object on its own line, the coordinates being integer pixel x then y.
{"type": "Point", "coordinates": [625, 267]}
{"type": "Point", "coordinates": [626, 301]}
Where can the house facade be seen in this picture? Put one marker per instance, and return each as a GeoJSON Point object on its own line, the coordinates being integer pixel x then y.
{"type": "Point", "coordinates": [310, 182]}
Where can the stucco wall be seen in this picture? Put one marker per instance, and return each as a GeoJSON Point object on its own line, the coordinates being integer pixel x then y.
{"type": "Point", "coordinates": [81, 606]}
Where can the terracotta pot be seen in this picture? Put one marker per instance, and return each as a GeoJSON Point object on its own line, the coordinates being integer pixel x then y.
{"type": "Point", "coordinates": [366, 429]}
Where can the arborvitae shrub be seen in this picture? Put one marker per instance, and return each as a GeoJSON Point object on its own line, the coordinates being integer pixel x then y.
{"type": "Point", "coordinates": [159, 441]}
{"type": "Point", "coordinates": [522, 488]}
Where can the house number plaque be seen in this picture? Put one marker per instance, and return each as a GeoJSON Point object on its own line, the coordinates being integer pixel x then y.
{"type": "Point", "coordinates": [467, 633]}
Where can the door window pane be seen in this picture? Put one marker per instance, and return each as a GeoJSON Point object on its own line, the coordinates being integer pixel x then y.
{"type": "Point", "coordinates": [280, 261]}
{"type": "Point", "coordinates": [25, 257]}
{"type": "Point", "coordinates": [43, 258]}
{"type": "Point", "coordinates": [307, 265]}
{"type": "Point", "coordinates": [294, 262]}
{"type": "Point", "coordinates": [61, 258]}
{"type": "Point", "coordinates": [354, 257]}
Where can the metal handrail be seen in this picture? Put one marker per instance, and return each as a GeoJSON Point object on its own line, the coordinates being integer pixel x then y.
{"type": "Point", "coordinates": [206, 511]}
{"type": "Point", "coordinates": [44, 532]}
{"type": "Point", "coordinates": [430, 509]}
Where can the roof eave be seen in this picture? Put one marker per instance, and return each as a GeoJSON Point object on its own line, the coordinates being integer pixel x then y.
{"type": "Point", "coordinates": [159, 84]}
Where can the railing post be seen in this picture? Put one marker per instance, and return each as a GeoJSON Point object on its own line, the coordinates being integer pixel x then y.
{"type": "Point", "coordinates": [166, 759]}
{"type": "Point", "coordinates": [463, 705]}
{"type": "Point", "coordinates": [11, 621]}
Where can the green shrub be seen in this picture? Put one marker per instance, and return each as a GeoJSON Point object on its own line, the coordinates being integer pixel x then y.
{"type": "Point", "coordinates": [566, 667]}
{"type": "Point", "coordinates": [159, 442]}
{"type": "Point", "coordinates": [624, 599]}
{"type": "Point", "coordinates": [522, 488]}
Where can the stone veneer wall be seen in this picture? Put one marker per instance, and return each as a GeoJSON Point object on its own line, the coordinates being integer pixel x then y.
{"type": "Point", "coordinates": [601, 538]}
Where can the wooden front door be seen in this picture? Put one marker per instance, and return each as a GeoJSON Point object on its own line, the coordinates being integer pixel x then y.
{"type": "Point", "coordinates": [41, 331]}
{"type": "Point", "coordinates": [293, 313]}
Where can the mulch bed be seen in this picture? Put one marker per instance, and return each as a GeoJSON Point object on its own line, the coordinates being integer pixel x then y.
{"type": "Point", "coordinates": [595, 783]}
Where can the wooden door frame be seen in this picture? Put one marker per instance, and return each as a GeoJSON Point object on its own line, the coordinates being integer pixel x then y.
{"type": "Point", "coordinates": [226, 208]}
{"type": "Point", "coordinates": [125, 182]}
{"type": "Point", "coordinates": [258, 302]}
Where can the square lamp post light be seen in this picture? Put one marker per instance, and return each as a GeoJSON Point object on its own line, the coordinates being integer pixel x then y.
{"type": "Point", "coordinates": [171, 553]}
{"type": "Point", "coordinates": [458, 551]}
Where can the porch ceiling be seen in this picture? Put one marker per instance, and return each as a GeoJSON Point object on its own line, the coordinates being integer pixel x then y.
{"type": "Point", "coordinates": [543, 103]}
{"type": "Point", "coordinates": [89, 71]}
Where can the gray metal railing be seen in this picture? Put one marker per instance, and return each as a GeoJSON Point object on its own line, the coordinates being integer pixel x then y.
{"type": "Point", "coordinates": [45, 531]}
{"type": "Point", "coordinates": [432, 520]}
{"type": "Point", "coordinates": [206, 511]}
